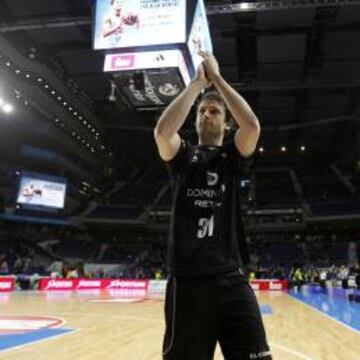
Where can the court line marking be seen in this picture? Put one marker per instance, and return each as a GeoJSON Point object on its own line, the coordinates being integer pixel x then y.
{"type": "Point", "coordinates": [324, 314]}
{"type": "Point", "coordinates": [284, 348]}
{"type": "Point", "coordinates": [290, 351]}
{"type": "Point", "coordinates": [20, 347]}
{"type": "Point", "coordinates": [113, 315]}
{"type": "Point", "coordinates": [62, 320]}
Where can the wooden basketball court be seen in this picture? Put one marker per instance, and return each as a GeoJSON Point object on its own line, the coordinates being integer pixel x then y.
{"type": "Point", "coordinates": [106, 328]}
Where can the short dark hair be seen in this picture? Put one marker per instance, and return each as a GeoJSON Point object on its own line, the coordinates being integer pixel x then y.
{"type": "Point", "coordinates": [213, 95]}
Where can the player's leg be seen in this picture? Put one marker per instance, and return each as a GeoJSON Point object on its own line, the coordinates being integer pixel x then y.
{"type": "Point", "coordinates": [190, 316]}
{"type": "Point", "coordinates": [242, 334]}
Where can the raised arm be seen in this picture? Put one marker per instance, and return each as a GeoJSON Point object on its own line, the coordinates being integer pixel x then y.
{"type": "Point", "coordinates": [247, 136]}
{"type": "Point", "coordinates": [166, 134]}
{"type": "Point", "coordinates": [109, 28]}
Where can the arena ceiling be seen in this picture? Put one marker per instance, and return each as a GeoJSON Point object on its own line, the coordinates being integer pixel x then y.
{"type": "Point", "coordinates": [296, 62]}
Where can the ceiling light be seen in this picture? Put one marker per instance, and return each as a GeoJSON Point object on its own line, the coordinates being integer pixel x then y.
{"type": "Point", "coordinates": [7, 108]}
{"type": "Point", "coordinates": [302, 148]}
{"type": "Point", "coordinates": [261, 149]}
{"type": "Point", "coordinates": [8, 64]}
{"type": "Point", "coordinates": [245, 6]}
{"type": "Point", "coordinates": [283, 148]}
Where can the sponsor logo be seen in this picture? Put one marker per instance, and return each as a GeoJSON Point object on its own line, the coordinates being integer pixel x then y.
{"type": "Point", "coordinates": [119, 62]}
{"type": "Point", "coordinates": [259, 355]}
{"type": "Point", "coordinates": [212, 178]}
{"type": "Point", "coordinates": [59, 284]}
{"type": "Point", "coordinates": [168, 89]}
{"type": "Point", "coordinates": [126, 284]}
{"type": "Point", "coordinates": [207, 193]}
{"type": "Point", "coordinates": [275, 286]}
{"type": "Point", "coordinates": [147, 93]}
{"type": "Point", "coordinates": [89, 283]}
{"type": "Point", "coordinates": [206, 203]}
{"type": "Point", "coordinates": [5, 285]}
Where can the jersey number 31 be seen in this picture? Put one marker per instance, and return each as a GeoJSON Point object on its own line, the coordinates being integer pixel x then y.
{"type": "Point", "coordinates": [206, 227]}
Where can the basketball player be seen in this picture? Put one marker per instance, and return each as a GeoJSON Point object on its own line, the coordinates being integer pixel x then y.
{"type": "Point", "coordinates": [114, 23]}
{"type": "Point", "coordinates": [208, 297]}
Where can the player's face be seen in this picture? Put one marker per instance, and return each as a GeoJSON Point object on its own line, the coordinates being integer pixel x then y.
{"type": "Point", "coordinates": [210, 119]}
{"type": "Point", "coordinates": [117, 5]}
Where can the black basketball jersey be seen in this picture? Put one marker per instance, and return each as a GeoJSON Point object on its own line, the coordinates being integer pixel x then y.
{"type": "Point", "coordinates": [206, 234]}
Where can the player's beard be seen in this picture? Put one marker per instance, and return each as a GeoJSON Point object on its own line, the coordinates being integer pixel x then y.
{"type": "Point", "coordinates": [210, 135]}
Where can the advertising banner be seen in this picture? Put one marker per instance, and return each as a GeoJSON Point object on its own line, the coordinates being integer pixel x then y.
{"type": "Point", "coordinates": [7, 284]}
{"type": "Point", "coordinates": [91, 284]}
{"type": "Point", "coordinates": [269, 285]}
{"type": "Point", "coordinates": [41, 192]}
{"type": "Point", "coordinates": [120, 23]}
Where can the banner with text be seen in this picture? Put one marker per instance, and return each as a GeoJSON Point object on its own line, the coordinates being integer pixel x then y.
{"type": "Point", "coordinates": [7, 284]}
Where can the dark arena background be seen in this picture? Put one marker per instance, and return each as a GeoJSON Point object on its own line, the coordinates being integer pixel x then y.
{"type": "Point", "coordinates": [85, 201]}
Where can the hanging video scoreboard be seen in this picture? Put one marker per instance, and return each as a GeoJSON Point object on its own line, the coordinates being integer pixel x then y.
{"type": "Point", "coordinates": [159, 39]}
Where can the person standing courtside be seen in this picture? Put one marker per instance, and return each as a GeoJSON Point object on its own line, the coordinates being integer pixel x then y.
{"type": "Point", "coordinates": [208, 298]}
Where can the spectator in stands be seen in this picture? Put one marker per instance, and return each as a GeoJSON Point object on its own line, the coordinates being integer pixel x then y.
{"type": "Point", "coordinates": [158, 274]}
{"type": "Point", "coordinates": [18, 265]}
{"type": "Point", "coordinates": [73, 273]}
{"type": "Point", "coordinates": [323, 278]}
{"type": "Point", "coordinates": [4, 267]}
{"type": "Point", "coordinates": [297, 277]}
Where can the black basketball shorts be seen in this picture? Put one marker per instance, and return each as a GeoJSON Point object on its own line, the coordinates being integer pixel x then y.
{"type": "Point", "coordinates": [201, 311]}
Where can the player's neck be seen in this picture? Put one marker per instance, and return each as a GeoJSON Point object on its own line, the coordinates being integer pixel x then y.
{"type": "Point", "coordinates": [211, 141]}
